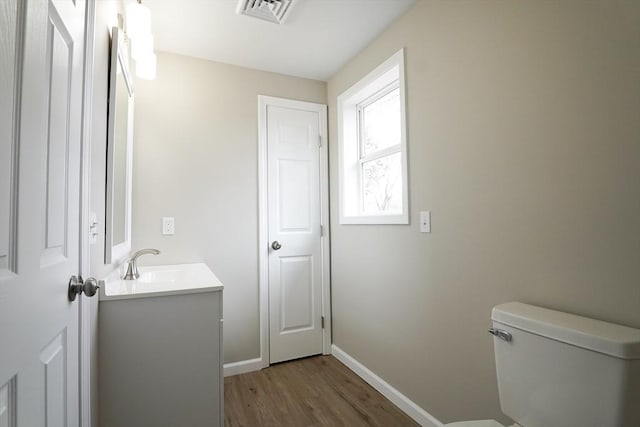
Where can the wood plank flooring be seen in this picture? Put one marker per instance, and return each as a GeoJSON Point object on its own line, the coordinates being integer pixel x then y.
{"type": "Point", "coordinates": [316, 391]}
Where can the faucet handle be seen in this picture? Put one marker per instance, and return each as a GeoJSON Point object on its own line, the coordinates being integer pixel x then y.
{"type": "Point", "coordinates": [144, 252]}
{"type": "Point", "coordinates": [132, 268]}
{"type": "Point", "coordinates": [131, 273]}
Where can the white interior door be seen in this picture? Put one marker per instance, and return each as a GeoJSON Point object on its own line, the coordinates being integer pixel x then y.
{"type": "Point", "coordinates": [40, 115]}
{"type": "Point", "coordinates": [294, 227]}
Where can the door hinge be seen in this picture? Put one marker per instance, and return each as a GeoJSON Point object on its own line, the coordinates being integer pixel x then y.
{"type": "Point", "coordinates": [322, 322]}
{"type": "Point", "coordinates": [319, 140]}
{"type": "Point", "coordinates": [321, 231]}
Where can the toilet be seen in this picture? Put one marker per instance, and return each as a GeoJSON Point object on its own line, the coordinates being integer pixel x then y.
{"type": "Point", "coordinates": [556, 369]}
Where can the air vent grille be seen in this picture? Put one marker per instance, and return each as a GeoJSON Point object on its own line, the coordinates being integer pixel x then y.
{"type": "Point", "coordinates": [269, 10]}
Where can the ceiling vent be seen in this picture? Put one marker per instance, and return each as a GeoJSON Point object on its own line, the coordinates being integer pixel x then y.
{"type": "Point", "coordinates": [269, 10]}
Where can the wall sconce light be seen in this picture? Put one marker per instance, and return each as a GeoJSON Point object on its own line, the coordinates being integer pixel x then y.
{"type": "Point", "coordinates": [141, 46]}
{"type": "Point", "coordinates": [139, 32]}
{"type": "Point", "coordinates": [138, 19]}
{"type": "Point", "coordinates": [146, 67]}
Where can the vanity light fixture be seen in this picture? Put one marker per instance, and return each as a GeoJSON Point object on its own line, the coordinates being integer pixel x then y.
{"type": "Point", "coordinates": [139, 32]}
{"type": "Point", "coordinates": [146, 67]}
{"type": "Point", "coordinates": [141, 45]}
{"type": "Point", "coordinates": [138, 19]}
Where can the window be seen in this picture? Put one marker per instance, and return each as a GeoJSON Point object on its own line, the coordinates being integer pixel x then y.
{"type": "Point", "coordinates": [372, 139]}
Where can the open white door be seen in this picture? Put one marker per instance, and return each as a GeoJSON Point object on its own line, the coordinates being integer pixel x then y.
{"type": "Point", "coordinates": [41, 76]}
{"type": "Point", "coordinates": [296, 260]}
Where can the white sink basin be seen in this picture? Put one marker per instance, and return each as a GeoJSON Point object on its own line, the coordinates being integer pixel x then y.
{"type": "Point", "coordinates": [162, 280]}
{"type": "Point", "coordinates": [161, 276]}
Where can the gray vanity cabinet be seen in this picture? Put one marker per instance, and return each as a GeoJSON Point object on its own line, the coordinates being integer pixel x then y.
{"type": "Point", "coordinates": [161, 360]}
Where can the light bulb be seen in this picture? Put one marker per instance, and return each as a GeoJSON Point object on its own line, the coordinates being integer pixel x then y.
{"type": "Point", "coordinates": [138, 20]}
{"type": "Point", "coordinates": [141, 46]}
{"type": "Point", "coordinates": [146, 67]}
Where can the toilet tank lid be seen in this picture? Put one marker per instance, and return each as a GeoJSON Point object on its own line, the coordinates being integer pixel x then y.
{"type": "Point", "coordinates": [608, 338]}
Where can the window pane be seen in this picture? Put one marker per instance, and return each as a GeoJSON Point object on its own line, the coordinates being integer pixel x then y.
{"type": "Point", "coordinates": [382, 185]}
{"type": "Point", "coordinates": [381, 123]}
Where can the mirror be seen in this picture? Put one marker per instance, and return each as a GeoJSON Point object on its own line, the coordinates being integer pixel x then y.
{"type": "Point", "coordinates": [119, 152]}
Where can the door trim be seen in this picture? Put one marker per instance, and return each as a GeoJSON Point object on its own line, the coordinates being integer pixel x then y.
{"type": "Point", "coordinates": [263, 227]}
{"type": "Point", "coordinates": [84, 318]}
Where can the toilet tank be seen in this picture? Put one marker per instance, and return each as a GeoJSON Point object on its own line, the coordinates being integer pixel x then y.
{"type": "Point", "coordinates": [556, 369]}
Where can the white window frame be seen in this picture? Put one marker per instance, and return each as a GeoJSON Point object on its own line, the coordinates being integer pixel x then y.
{"type": "Point", "coordinates": [382, 80]}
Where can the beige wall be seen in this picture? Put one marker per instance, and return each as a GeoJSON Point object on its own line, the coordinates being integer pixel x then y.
{"type": "Point", "coordinates": [524, 142]}
{"type": "Point", "coordinates": [195, 158]}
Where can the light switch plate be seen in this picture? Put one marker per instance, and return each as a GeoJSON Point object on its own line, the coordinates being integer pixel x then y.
{"type": "Point", "coordinates": [168, 225]}
{"type": "Point", "coordinates": [425, 221]}
{"type": "Point", "coordinates": [93, 228]}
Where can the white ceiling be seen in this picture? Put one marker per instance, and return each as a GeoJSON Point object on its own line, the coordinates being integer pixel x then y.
{"type": "Point", "coordinates": [316, 39]}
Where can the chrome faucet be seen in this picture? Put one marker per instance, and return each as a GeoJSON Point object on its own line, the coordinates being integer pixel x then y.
{"type": "Point", "coordinates": [132, 267]}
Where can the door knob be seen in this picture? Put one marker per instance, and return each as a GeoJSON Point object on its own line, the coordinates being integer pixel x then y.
{"type": "Point", "coordinates": [276, 245]}
{"type": "Point", "coordinates": [77, 286]}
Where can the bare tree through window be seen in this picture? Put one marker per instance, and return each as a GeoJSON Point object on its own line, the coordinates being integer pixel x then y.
{"type": "Point", "coordinates": [380, 152]}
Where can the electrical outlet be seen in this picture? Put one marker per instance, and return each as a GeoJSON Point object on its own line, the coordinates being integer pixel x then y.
{"type": "Point", "coordinates": [425, 221]}
{"type": "Point", "coordinates": [168, 225]}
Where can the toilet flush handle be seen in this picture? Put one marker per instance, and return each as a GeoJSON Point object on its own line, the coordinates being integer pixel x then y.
{"type": "Point", "coordinates": [503, 335]}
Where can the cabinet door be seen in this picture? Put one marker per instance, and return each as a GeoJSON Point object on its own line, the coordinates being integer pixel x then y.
{"type": "Point", "coordinates": [160, 361]}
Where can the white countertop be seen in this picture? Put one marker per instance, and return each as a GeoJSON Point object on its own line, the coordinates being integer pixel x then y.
{"type": "Point", "coordinates": [161, 280]}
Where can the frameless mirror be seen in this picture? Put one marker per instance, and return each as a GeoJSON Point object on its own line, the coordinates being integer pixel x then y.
{"type": "Point", "coordinates": [119, 152]}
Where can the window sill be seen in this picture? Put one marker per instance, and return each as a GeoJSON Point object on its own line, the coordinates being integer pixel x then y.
{"type": "Point", "coordinates": [402, 219]}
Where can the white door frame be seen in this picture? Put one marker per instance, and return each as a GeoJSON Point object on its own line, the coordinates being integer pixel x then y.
{"type": "Point", "coordinates": [84, 343]}
{"type": "Point", "coordinates": [263, 226]}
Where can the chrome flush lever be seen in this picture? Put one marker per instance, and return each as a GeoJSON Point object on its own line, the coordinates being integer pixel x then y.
{"type": "Point", "coordinates": [503, 335]}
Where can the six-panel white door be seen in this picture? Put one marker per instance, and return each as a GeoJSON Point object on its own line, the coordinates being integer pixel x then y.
{"type": "Point", "coordinates": [41, 75]}
{"type": "Point", "coordinates": [294, 221]}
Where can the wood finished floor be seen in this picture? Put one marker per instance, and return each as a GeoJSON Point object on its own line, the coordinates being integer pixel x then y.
{"type": "Point", "coordinates": [316, 391]}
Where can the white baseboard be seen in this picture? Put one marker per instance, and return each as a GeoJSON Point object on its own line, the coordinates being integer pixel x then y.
{"type": "Point", "coordinates": [405, 404]}
{"type": "Point", "coordinates": [242, 367]}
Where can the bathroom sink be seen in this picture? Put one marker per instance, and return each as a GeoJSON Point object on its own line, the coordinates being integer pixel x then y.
{"type": "Point", "coordinates": [161, 280]}
{"type": "Point", "coordinates": [161, 276]}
